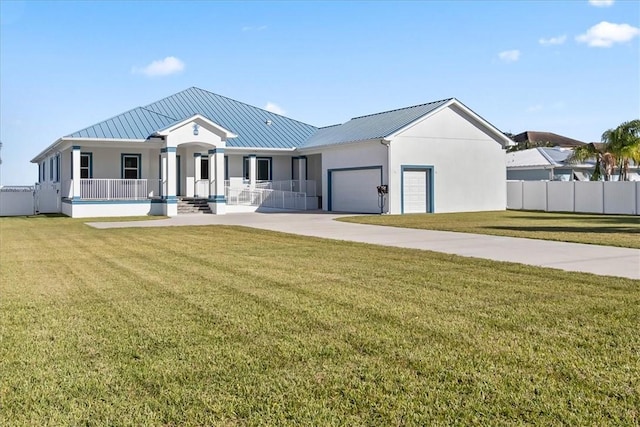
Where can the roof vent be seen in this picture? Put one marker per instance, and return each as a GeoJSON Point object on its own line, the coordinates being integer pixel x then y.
{"type": "Point", "coordinates": [267, 122]}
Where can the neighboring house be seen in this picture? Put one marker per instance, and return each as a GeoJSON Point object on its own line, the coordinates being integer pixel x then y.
{"type": "Point", "coordinates": [435, 157]}
{"type": "Point", "coordinates": [546, 164]}
{"type": "Point", "coordinates": [552, 164]}
{"type": "Point", "coordinates": [548, 139]}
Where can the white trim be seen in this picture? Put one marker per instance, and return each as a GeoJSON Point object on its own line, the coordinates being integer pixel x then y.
{"type": "Point", "coordinates": [196, 117]}
{"type": "Point", "coordinates": [244, 150]}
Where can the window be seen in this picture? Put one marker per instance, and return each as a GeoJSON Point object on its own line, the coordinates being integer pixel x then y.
{"type": "Point", "coordinates": [131, 166]}
{"type": "Point", "coordinates": [58, 168]}
{"type": "Point", "coordinates": [263, 166]}
{"type": "Point", "coordinates": [51, 169]}
{"type": "Point", "coordinates": [204, 168]}
{"type": "Point", "coordinates": [86, 165]}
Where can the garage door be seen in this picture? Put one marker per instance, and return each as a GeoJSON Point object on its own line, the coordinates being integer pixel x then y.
{"type": "Point", "coordinates": [415, 191]}
{"type": "Point", "coordinates": [355, 190]}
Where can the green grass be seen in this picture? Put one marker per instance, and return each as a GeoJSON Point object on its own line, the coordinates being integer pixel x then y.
{"type": "Point", "coordinates": [610, 230]}
{"type": "Point", "coordinates": [233, 326]}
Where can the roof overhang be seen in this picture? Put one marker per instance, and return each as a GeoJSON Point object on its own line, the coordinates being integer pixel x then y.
{"type": "Point", "coordinates": [63, 143]}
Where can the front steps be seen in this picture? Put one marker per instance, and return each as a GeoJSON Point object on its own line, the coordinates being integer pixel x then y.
{"type": "Point", "coordinates": [189, 205]}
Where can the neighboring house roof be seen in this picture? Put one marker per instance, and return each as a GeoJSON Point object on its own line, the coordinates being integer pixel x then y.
{"type": "Point", "coordinates": [255, 127]}
{"type": "Point", "coordinates": [542, 157]}
{"type": "Point", "coordinates": [373, 126]}
{"type": "Point", "coordinates": [544, 137]}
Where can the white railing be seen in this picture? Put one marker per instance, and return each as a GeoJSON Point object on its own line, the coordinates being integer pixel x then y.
{"type": "Point", "coordinates": [202, 187]}
{"type": "Point", "coordinates": [119, 189]}
{"type": "Point", "coordinates": [297, 185]}
{"type": "Point", "coordinates": [266, 198]}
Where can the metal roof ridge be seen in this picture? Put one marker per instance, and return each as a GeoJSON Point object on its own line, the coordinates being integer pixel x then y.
{"type": "Point", "coordinates": [403, 108]}
{"type": "Point", "coordinates": [546, 156]}
{"type": "Point", "coordinates": [154, 112]}
{"type": "Point", "coordinates": [248, 105]}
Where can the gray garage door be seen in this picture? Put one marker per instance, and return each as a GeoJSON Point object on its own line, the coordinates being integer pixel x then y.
{"type": "Point", "coordinates": [355, 190]}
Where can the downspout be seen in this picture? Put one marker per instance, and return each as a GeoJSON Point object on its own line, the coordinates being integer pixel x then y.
{"type": "Point", "coordinates": [387, 142]}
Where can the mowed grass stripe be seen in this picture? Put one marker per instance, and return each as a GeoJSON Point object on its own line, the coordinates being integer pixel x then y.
{"type": "Point", "coordinates": [608, 230]}
{"type": "Point", "coordinates": [217, 325]}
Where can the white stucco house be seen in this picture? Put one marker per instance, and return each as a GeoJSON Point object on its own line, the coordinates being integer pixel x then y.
{"type": "Point", "coordinates": [199, 147]}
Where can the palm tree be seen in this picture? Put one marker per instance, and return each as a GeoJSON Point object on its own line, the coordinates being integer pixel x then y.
{"type": "Point", "coordinates": [623, 143]}
{"type": "Point", "coordinates": [586, 152]}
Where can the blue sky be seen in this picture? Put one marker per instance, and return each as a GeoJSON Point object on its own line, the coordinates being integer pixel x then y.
{"type": "Point", "coordinates": [569, 67]}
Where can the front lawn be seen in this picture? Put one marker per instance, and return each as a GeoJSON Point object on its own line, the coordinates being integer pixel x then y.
{"type": "Point", "coordinates": [609, 230]}
{"type": "Point", "coordinates": [235, 326]}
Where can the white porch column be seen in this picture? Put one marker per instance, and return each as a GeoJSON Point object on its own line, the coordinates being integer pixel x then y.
{"type": "Point", "coordinates": [217, 200]}
{"type": "Point", "coordinates": [163, 173]}
{"type": "Point", "coordinates": [75, 167]}
{"type": "Point", "coordinates": [302, 173]}
{"type": "Point", "coordinates": [212, 174]}
{"type": "Point", "coordinates": [253, 171]}
{"type": "Point", "coordinates": [302, 168]}
{"type": "Point", "coordinates": [197, 174]}
{"type": "Point", "coordinates": [170, 199]}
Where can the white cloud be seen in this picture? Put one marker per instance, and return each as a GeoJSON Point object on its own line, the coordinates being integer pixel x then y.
{"type": "Point", "coordinates": [274, 108]}
{"type": "Point", "coordinates": [162, 67]}
{"type": "Point", "coordinates": [605, 34]}
{"type": "Point", "coordinates": [509, 55]}
{"type": "Point", "coordinates": [601, 3]}
{"type": "Point", "coordinates": [553, 40]}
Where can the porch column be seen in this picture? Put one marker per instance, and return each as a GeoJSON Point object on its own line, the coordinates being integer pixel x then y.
{"type": "Point", "coordinates": [253, 171]}
{"type": "Point", "coordinates": [197, 174]}
{"type": "Point", "coordinates": [169, 181]}
{"type": "Point", "coordinates": [302, 168]}
{"type": "Point", "coordinates": [212, 174]}
{"type": "Point", "coordinates": [302, 173]}
{"type": "Point", "coordinates": [75, 168]}
{"type": "Point", "coordinates": [217, 200]}
{"type": "Point", "coordinates": [163, 173]}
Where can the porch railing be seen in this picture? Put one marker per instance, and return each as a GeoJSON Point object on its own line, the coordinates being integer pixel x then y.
{"type": "Point", "coordinates": [307, 186]}
{"type": "Point", "coordinates": [266, 198]}
{"type": "Point", "coordinates": [119, 189]}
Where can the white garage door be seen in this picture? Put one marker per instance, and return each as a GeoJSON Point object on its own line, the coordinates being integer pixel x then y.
{"type": "Point", "coordinates": [355, 190]}
{"type": "Point", "coordinates": [415, 191]}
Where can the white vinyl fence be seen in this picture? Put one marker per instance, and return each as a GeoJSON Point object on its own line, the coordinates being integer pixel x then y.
{"type": "Point", "coordinates": [601, 197]}
{"type": "Point", "coordinates": [16, 200]}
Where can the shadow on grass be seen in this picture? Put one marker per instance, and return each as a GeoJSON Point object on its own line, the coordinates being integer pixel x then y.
{"type": "Point", "coordinates": [609, 219]}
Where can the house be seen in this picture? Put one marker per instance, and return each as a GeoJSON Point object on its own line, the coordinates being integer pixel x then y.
{"type": "Point", "coordinates": [532, 139]}
{"type": "Point", "coordinates": [553, 164]}
{"type": "Point", "coordinates": [197, 145]}
{"type": "Point", "coordinates": [547, 164]}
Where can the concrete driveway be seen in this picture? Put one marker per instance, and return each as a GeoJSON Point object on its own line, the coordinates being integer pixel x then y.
{"type": "Point", "coordinates": [602, 260]}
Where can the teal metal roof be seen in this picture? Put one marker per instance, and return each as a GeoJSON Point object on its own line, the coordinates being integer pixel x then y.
{"type": "Point", "coordinates": [138, 123]}
{"type": "Point", "coordinates": [374, 126]}
{"type": "Point", "coordinates": [255, 127]}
